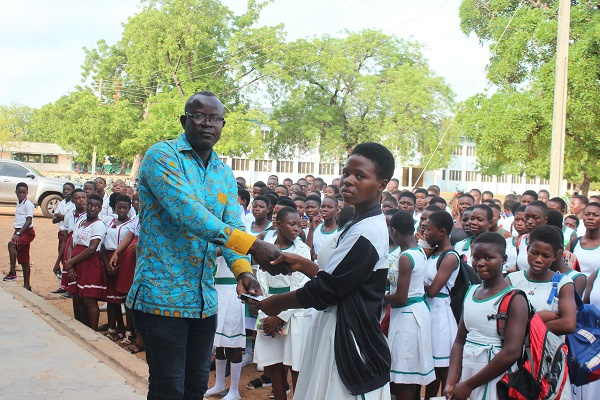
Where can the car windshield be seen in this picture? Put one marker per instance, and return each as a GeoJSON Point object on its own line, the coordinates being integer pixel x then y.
{"type": "Point", "coordinates": [35, 170]}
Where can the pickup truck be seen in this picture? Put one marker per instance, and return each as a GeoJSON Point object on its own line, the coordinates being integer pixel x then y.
{"type": "Point", "coordinates": [44, 192]}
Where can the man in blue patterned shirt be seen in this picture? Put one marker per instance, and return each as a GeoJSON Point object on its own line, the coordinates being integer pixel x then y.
{"type": "Point", "coordinates": [188, 208]}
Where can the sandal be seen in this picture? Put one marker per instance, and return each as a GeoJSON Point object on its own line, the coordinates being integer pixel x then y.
{"type": "Point", "coordinates": [128, 339]}
{"type": "Point", "coordinates": [258, 383]}
{"type": "Point", "coordinates": [113, 335]}
{"type": "Point", "coordinates": [134, 348]}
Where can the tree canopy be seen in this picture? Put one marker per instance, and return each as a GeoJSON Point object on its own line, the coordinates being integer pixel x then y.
{"type": "Point", "coordinates": [512, 124]}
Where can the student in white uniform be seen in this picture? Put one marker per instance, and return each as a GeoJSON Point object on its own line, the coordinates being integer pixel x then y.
{"type": "Point", "coordinates": [536, 214]}
{"type": "Point", "coordinates": [559, 313]}
{"type": "Point", "coordinates": [412, 361]}
{"type": "Point", "coordinates": [480, 221]}
{"type": "Point", "coordinates": [322, 225]}
{"type": "Point", "coordinates": [281, 339]}
{"type": "Point", "coordinates": [346, 356]}
{"type": "Point", "coordinates": [587, 248]}
{"type": "Point", "coordinates": [479, 355]}
{"type": "Point", "coordinates": [592, 296]}
{"type": "Point", "coordinates": [512, 243]}
{"type": "Point", "coordinates": [63, 208]}
{"type": "Point", "coordinates": [438, 283]}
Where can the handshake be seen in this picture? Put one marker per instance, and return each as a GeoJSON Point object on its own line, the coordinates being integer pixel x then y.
{"type": "Point", "coordinates": [269, 258]}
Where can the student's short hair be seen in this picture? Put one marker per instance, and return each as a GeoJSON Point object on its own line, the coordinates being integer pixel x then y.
{"type": "Point", "coordinates": [487, 209]}
{"type": "Point", "coordinates": [594, 197]}
{"type": "Point", "coordinates": [330, 198]}
{"type": "Point", "coordinates": [300, 198]}
{"type": "Point", "coordinates": [315, 198]}
{"type": "Point", "coordinates": [391, 199]}
{"type": "Point", "coordinates": [301, 179]}
{"type": "Point", "coordinates": [69, 184]}
{"type": "Point", "coordinates": [495, 206]}
{"type": "Point", "coordinates": [432, 208]}
{"type": "Point", "coordinates": [510, 196]}
{"type": "Point", "coordinates": [286, 201]}
{"type": "Point", "coordinates": [531, 193]}
{"type": "Point", "coordinates": [422, 191]}
{"type": "Point", "coordinates": [112, 200]}
{"type": "Point", "coordinates": [122, 198]}
{"type": "Point", "coordinates": [273, 198]}
{"type": "Point", "coordinates": [555, 218]}
{"type": "Point", "coordinates": [563, 204]}
{"type": "Point", "coordinates": [508, 204]}
{"type": "Point", "coordinates": [306, 176]}
{"type": "Point", "coordinates": [77, 190]}
{"type": "Point", "coordinates": [339, 196]}
{"type": "Point", "coordinates": [91, 183]}
{"type": "Point", "coordinates": [403, 222]}
{"type": "Point", "coordinates": [283, 186]}
{"type": "Point", "coordinates": [395, 180]}
{"type": "Point", "coordinates": [574, 218]}
{"type": "Point", "coordinates": [101, 178]}
{"type": "Point", "coordinates": [244, 195]}
{"type": "Point", "coordinates": [259, 184]}
{"type": "Point", "coordinates": [263, 199]}
{"type": "Point", "coordinates": [96, 197]}
{"type": "Point", "coordinates": [288, 180]}
{"type": "Point", "coordinates": [438, 200]}
{"type": "Point", "coordinates": [475, 190]}
{"type": "Point", "coordinates": [320, 182]}
{"type": "Point", "coordinates": [539, 204]}
{"type": "Point", "coordinates": [398, 192]}
{"type": "Point", "coordinates": [487, 192]}
{"type": "Point", "coordinates": [582, 198]}
{"type": "Point", "coordinates": [593, 204]}
{"type": "Point", "coordinates": [386, 194]}
{"type": "Point", "coordinates": [408, 194]}
{"type": "Point", "coordinates": [391, 212]}
{"type": "Point", "coordinates": [493, 238]}
{"type": "Point", "coordinates": [548, 234]}
{"type": "Point", "coordinates": [469, 209]}
{"type": "Point", "coordinates": [23, 185]}
{"type": "Point", "coordinates": [380, 156]}
{"type": "Point", "coordinates": [434, 188]}
{"type": "Point", "coordinates": [469, 195]}
{"type": "Point", "coordinates": [346, 215]}
{"type": "Point", "coordinates": [519, 208]}
{"type": "Point", "coordinates": [335, 189]}
{"type": "Point", "coordinates": [284, 212]}
{"type": "Point", "coordinates": [300, 194]}
{"type": "Point", "coordinates": [488, 201]}
{"type": "Point", "coordinates": [545, 191]}
{"type": "Point", "coordinates": [441, 220]}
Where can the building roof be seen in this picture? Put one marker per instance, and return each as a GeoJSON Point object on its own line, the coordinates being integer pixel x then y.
{"type": "Point", "coordinates": [37, 148]}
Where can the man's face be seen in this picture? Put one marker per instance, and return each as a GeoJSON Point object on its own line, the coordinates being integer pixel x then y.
{"type": "Point", "coordinates": [487, 196]}
{"type": "Point", "coordinates": [576, 206]}
{"type": "Point", "coordinates": [311, 209]}
{"type": "Point", "coordinates": [21, 193]}
{"type": "Point", "coordinates": [406, 204]}
{"type": "Point", "coordinates": [420, 203]}
{"type": "Point", "coordinates": [526, 199]}
{"type": "Point", "coordinates": [303, 184]}
{"type": "Point", "coordinates": [199, 132]}
{"type": "Point", "coordinates": [271, 183]}
{"type": "Point", "coordinates": [476, 196]}
{"type": "Point", "coordinates": [295, 188]}
{"type": "Point", "coordinates": [118, 187]}
{"type": "Point", "coordinates": [543, 196]}
{"type": "Point", "coordinates": [556, 206]}
{"type": "Point", "coordinates": [255, 191]}
{"type": "Point", "coordinates": [393, 185]}
{"type": "Point", "coordinates": [100, 185]}
{"type": "Point", "coordinates": [67, 189]}
{"type": "Point", "coordinates": [241, 181]}
{"type": "Point", "coordinates": [310, 179]}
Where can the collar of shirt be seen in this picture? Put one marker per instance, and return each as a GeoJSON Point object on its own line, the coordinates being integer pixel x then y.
{"type": "Point", "coordinates": [181, 144]}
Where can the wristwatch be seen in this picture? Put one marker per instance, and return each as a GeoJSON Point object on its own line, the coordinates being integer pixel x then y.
{"type": "Point", "coordinates": [18, 234]}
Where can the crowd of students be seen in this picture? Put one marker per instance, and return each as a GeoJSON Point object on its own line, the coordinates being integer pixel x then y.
{"type": "Point", "coordinates": [518, 243]}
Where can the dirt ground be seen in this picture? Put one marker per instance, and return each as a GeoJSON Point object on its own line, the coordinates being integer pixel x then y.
{"type": "Point", "coordinates": [43, 255]}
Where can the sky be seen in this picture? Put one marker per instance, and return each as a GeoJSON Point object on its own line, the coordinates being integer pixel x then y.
{"type": "Point", "coordinates": [42, 41]}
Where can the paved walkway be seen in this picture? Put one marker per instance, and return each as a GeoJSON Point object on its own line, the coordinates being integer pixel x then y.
{"type": "Point", "coordinates": [38, 363]}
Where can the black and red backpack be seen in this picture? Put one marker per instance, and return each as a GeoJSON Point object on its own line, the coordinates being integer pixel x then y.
{"type": "Point", "coordinates": [542, 371]}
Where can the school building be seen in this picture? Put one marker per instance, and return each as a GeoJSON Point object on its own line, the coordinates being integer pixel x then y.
{"type": "Point", "coordinates": [44, 157]}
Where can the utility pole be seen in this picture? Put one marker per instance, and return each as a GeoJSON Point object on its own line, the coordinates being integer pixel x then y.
{"type": "Point", "coordinates": [94, 155]}
{"type": "Point", "coordinates": [557, 155]}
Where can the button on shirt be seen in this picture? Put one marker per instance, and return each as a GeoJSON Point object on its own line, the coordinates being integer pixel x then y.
{"type": "Point", "coordinates": [187, 209]}
{"type": "Point", "coordinates": [24, 210]}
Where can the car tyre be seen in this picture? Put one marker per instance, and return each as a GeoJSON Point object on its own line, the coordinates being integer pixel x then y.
{"type": "Point", "coordinates": [49, 205]}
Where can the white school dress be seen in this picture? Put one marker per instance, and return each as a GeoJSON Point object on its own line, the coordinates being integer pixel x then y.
{"type": "Point", "coordinates": [319, 378]}
{"type": "Point", "coordinates": [589, 259]}
{"type": "Point", "coordinates": [443, 323]}
{"type": "Point", "coordinates": [319, 237]}
{"type": "Point", "coordinates": [522, 263]}
{"type": "Point", "coordinates": [511, 254]}
{"type": "Point", "coordinates": [537, 294]}
{"type": "Point", "coordinates": [412, 360]}
{"type": "Point", "coordinates": [250, 321]}
{"type": "Point", "coordinates": [482, 342]}
{"type": "Point", "coordinates": [592, 389]}
{"type": "Point", "coordinates": [463, 248]}
{"type": "Point", "coordinates": [64, 208]}
{"type": "Point", "coordinates": [567, 233]}
{"type": "Point", "coordinates": [287, 349]}
{"type": "Point", "coordinates": [231, 329]}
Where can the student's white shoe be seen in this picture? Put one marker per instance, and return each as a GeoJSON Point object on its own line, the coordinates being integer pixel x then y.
{"type": "Point", "coordinates": [215, 392]}
{"type": "Point", "coordinates": [246, 360]}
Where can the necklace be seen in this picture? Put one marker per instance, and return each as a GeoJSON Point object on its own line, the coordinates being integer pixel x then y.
{"type": "Point", "coordinates": [532, 291]}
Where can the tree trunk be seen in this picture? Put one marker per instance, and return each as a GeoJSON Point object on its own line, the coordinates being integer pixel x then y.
{"type": "Point", "coordinates": [135, 167]}
{"type": "Point", "coordinates": [585, 185]}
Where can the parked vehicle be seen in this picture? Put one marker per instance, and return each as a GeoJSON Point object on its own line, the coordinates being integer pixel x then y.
{"type": "Point", "coordinates": [44, 192]}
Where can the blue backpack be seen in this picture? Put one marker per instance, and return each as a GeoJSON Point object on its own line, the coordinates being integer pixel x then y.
{"type": "Point", "coordinates": [584, 344]}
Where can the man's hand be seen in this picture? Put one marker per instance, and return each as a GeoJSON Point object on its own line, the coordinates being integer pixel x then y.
{"type": "Point", "coordinates": [297, 263]}
{"type": "Point", "coordinates": [270, 306]}
{"type": "Point", "coordinates": [247, 283]}
{"type": "Point", "coordinates": [264, 253]}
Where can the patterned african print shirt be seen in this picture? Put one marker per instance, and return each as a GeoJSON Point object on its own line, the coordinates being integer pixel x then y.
{"type": "Point", "coordinates": [187, 209]}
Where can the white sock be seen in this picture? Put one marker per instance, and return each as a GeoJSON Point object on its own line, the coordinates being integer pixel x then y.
{"type": "Point", "coordinates": [220, 366]}
{"type": "Point", "coordinates": [234, 387]}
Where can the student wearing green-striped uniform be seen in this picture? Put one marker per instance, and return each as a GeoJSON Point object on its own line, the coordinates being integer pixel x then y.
{"type": "Point", "coordinates": [412, 360]}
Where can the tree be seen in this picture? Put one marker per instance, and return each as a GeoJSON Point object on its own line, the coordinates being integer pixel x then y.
{"type": "Point", "coordinates": [512, 127]}
{"type": "Point", "coordinates": [174, 48]}
{"type": "Point", "coordinates": [14, 124]}
{"type": "Point", "coordinates": [335, 92]}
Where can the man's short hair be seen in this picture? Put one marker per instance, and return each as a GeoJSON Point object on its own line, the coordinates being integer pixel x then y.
{"type": "Point", "coordinates": [563, 204]}
{"type": "Point", "coordinates": [434, 188]}
{"type": "Point", "coordinates": [23, 185]}
{"type": "Point", "coordinates": [380, 156]}
{"type": "Point", "coordinates": [438, 200]}
{"type": "Point", "coordinates": [96, 197]}
{"type": "Point", "coordinates": [315, 198]}
{"type": "Point", "coordinates": [475, 190]}
{"type": "Point", "coordinates": [583, 199]}
{"type": "Point", "coordinates": [487, 192]}
{"type": "Point", "coordinates": [259, 184]}
{"type": "Point", "coordinates": [531, 193]}
{"type": "Point", "coordinates": [408, 194]}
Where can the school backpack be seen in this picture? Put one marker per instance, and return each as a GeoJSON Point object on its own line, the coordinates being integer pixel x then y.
{"type": "Point", "coordinates": [465, 278]}
{"type": "Point", "coordinates": [584, 345]}
{"type": "Point", "coordinates": [542, 371]}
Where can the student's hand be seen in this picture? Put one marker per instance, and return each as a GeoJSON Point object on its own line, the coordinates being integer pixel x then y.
{"type": "Point", "coordinates": [461, 391]}
{"type": "Point", "coordinates": [316, 221]}
{"type": "Point", "coordinates": [56, 268]}
{"type": "Point", "coordinates": [294, 261]}
{"type": "Point", "coordinates": [271, 325]}
{"type": "Point", "coordinates": [264, 253]}
{"type": "Point", "coordinates": [15, 239]}
{"type": "Point", "coordinates": [304, 223]}
{"type": "Point", "coordinates": [114, 260]}
{"type": "Point", "coordinates": [270, 306]}
{"type": "Point", "coordinates": [247, 283]}
{"type": "Point", "coordinates": [448, 390]}
{"type": "Point", "coordinates": [70, 268]}
{"type": "Point", "coordinates": [548, 315]}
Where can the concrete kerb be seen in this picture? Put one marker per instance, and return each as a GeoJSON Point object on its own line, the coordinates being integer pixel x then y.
{"type": "Point", "coordinates": [131, 368]}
